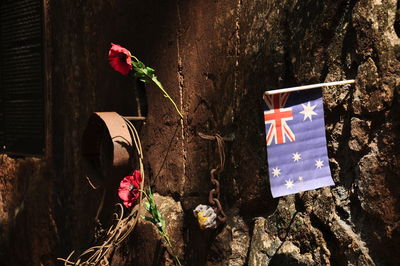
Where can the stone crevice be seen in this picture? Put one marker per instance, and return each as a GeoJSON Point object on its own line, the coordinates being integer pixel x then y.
{"type": "Point", "coordinates": [181, 84]}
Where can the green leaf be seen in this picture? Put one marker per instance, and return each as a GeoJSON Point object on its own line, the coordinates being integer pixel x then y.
{"type": "Point", "coordinates": [134, 64]}
{"type": "Point", "coordinates": [163, 223]}
{"type": "Point", "coordinates": [139, 75]}
{"type": "Point", "coordinates": [147, 206]}
{"type": "Point", "coordinates": [158, 215]}
{"type": "Point", "coordinates": [141, 65]}
{"type": "Point", "coordinates": [150, 219]}
{"type": "Point", "coordinates": [154, 213]}
{"type": "Point", "coordinates": [138, 70]}
{"type": "Point", "coordinates": [151, 195]}
{"type": "Point", "coordinates": [150, 71]}
{"type": "Point", "coordinates": [144, 80]}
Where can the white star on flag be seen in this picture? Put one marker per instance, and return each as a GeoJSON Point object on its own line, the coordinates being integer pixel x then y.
{"type": "Point", "coordinates": [319, 164]}
{"type": "Point", "coordinates": [276, 171]}
{"type": "Point", "coordinates": [308, 111]}
{"type": "Point", "coordinates": [289, 184]}
{"type": "Point", "coordinates": [296, 156]}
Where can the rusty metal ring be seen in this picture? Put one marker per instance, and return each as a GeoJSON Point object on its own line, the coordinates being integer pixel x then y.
{"type": "Point", "coordinates": [213, 171]}
{"type": "Point", "coordinates": [211, 196]}
{"type": "Point", "coordinates": [215, 182]}
{"type": "Point", "coordinates": [220, 211]}
{"type": "Point", "coordinates": [106, 147]}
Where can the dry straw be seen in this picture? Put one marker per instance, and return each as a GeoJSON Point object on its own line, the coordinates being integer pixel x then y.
{"type": "Point", "coordinates": [117, 233]}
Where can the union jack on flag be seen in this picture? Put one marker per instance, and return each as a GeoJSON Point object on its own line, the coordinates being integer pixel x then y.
{"type": "Point", "coordinates": [296, 142]}
{"type": "Point", "coordinates": [278, 116]}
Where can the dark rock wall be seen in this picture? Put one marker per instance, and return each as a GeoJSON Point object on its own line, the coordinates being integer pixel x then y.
{"type": "Point", "coordinates": [216, 58]}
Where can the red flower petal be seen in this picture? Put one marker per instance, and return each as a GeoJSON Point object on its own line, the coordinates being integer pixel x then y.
{"type": "Point", "coordinates": [129, 188]}
{"type": "Point", "coordinates": [138, 176]}
{"type": "Point", "coordinates": [120, 59]}
{"type": "Point", "coordinates": [125, 196]}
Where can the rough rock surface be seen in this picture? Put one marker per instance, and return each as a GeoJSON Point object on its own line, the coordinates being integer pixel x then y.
{"type": "Point", "coordinates": [216, 58]}
{"type": "Point", "coordinates": [230, 246]}
{"type": "Point", "coordinates": [149, 246]}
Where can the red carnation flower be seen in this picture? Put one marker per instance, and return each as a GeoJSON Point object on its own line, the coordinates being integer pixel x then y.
{"type": "Point", "coordinates": [129, 188]}
{"type": "Point", "coordinates": [120, 59]}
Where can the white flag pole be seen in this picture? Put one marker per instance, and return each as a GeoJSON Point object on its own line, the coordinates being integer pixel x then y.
{"type": "Point", "coordinates": [307, 87]}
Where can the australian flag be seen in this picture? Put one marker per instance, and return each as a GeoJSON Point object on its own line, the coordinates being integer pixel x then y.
{"type": "Point", "coordinates": [296, 142]}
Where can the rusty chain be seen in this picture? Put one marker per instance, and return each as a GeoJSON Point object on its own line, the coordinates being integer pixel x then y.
{"type": "Point", "coordinates": [214, 194]}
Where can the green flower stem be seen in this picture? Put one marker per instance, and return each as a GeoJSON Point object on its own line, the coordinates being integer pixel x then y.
{"type": "Point", "coordinates": [170, 246]}
{"type": "Point", "coordinates": [166, 95]}
{"type": "Point", "coordinates": [158, 220]}
{"type": "Point", "coordinates": [134, 57]}
{"type": "Point", "coordinates": [153, 78]}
